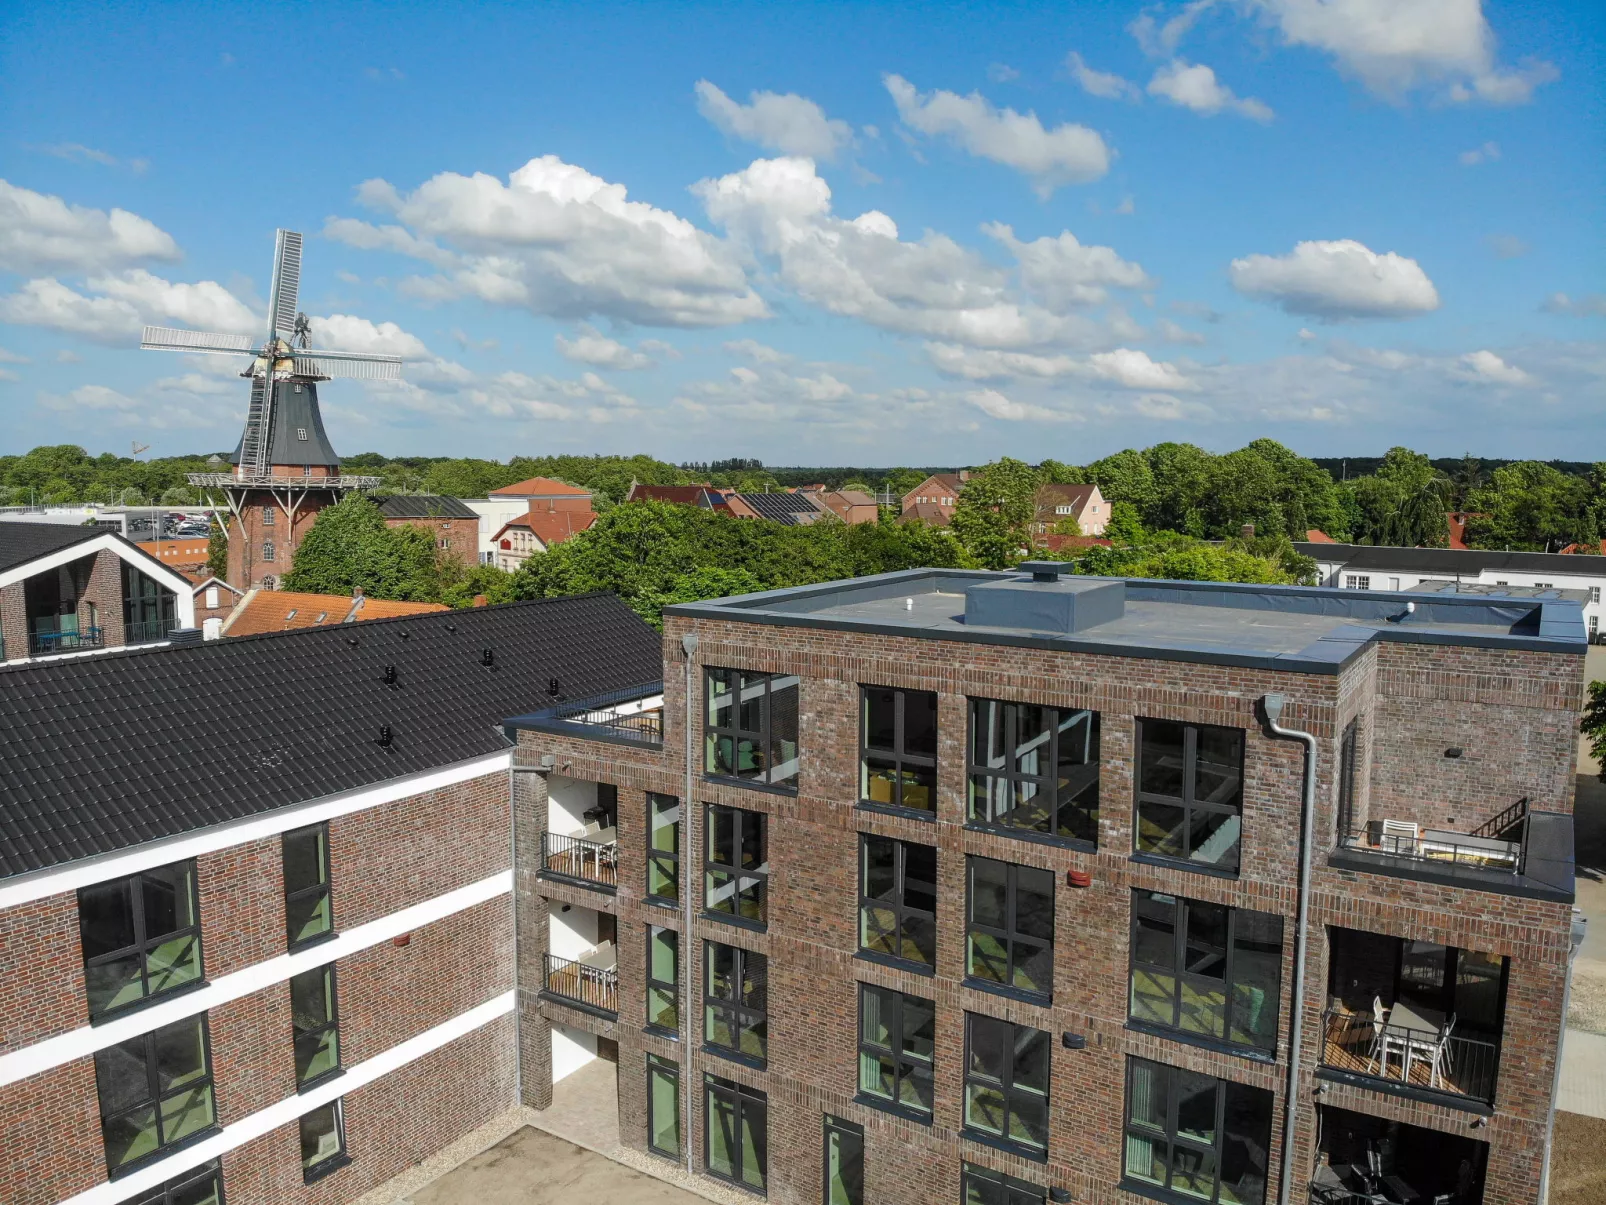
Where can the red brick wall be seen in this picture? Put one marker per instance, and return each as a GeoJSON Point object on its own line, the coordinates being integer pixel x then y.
{"type": "Point", "coordinates": [42, 991]}
{"type": "Point", "coordinates": [246, 567]}
{"type": "Point", "coordinates": [462, 536]}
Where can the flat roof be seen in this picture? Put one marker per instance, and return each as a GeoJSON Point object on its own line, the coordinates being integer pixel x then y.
{"type": "Point", "coordinates": [1310, 629]}
{"type": "Point", "coordinates": [1454, 560]}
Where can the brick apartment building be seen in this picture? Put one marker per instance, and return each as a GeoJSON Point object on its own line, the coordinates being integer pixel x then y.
{"type": "Point", "coordinates": [450, 523]}
{"type": "Point", "coordinates": [255, 901]}
{"type": "Point", "coordinates": [989, 890]}
{"type": "Point", "coordinates": [932, 886]}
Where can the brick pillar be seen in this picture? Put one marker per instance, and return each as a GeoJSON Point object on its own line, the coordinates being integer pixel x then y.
{"type": "Point", "coordinates": [531, 924]}
{"type": "Point", "coordinates": [13, 621]}
{"type": "Point", "coordinates": [105, 590]}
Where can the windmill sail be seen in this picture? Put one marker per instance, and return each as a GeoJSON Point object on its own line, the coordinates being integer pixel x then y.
{"type": "Point", "coordinates": [254, 443]}
{"type": "Point", "coordinates": [351, 365]}
{"type": "Point", "coordinates": [286, 283]}
{"type": "Point", "coordinates": [171, 338]}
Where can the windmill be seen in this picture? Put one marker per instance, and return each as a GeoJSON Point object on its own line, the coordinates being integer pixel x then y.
{"type": "Point", "coordinates": [284, 461]}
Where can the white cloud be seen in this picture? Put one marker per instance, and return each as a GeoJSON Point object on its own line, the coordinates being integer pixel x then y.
{"type": "Point", "coordinates": [49, 303]}
{"type": "Point", "coordinates": [1126, 208]}
{"type": "Point", "coordinates": [1172, 332]}
{"type": "Point", "coordinates": [773, 394]}
{"type": "Point", "coordinates": [44, 233]}
{"type": "Point", "coordinates": [198, 383]}
{"type": "Point", "coordinates": [1066, 154]}
{"type": "Point", "coordinates": [1590, 304]}
{"type": "Point", "coordinates": [758, 352]}
{"type": "Point", "coordinates": [10, 357]}
{"type": "Point", "coordinates": [1484, 367]}
{"type": "Point", "coordinates": [67, 356]}
{"type": "Point", "coordinates": [205, 305]}
{"type": "Point", "coordinates": [560, 242]}
{"type": "Point", "coordinates": [1100, 83]}
{"type": "Point", "coordinates": [1164, 408]}
{"type": "Point", "coordinates": [1194, 86]}
{"type": "Point", "coordinates": [1066, 274]}
{"type": "Point", "coordinates": [591, 347]}
{"type": "Point", "coordinates": [1336, 280]}
{"type": "Point", "coordinates": [862, 269]}
{"type": "Point", "coordinates": [1479, 154]}
{"type": "Point", "coordinates": [345, 332]}
{"type": "Point", "coordinates": [1394, 48]}
{"type": "Point", "coordinates": [1002, 73]}
{"type": "Point", "coordinates": [1123, 366]}
{"type": "Point", "coordinates": [89, 397]}
{"type": "Point", "coordinates": [995, 405]}
{"type": "Point", "coordinates": [791, 124]}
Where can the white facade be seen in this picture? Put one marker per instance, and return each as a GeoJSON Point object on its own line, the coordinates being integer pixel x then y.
{"type": "Point", "coordinates": [495, 514]}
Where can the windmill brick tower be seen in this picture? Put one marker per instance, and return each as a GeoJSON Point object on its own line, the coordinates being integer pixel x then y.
{"type": "Point", "coordinates": [285, 470]}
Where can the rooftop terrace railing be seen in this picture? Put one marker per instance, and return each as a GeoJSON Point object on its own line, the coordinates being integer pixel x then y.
{"type": "Point", "coordinates": [590, 862]}
{"type": "Point", "coordinates": [1419, 1058]}
{"type": "Point", "coordinates": [46, 644]}
{"type": "Point", "coordinates": [632, 716]}
{"type": "Point", "coordinates": [596, 988]}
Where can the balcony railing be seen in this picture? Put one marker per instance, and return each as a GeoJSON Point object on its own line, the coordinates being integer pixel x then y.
{"type": "Point", "coordinates": [1439, 846]}
{"type": "Point", "coordinates": [588, 862]}
{"type": "Point", "coordinates": [45, 644]}
{"type": "Point", "coordinates": [633, 716]}
{"type": "Point", "coordinates": [148, 630]}
{"type": "Point", "coordinates": [1418, 1058]}
{"type": "Point", "coordinates": [594, 987]}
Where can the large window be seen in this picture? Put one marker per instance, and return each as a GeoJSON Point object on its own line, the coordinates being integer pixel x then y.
{"type": "Point", "coordinates": [897, 1036]}
{"type": "Point", "coordinates": [307, 909]}
{"type": "Point", "coordinates": [203, 1186]}
{"type": "Point", "coordinates": [155, 1091]}
{"type": "Point", "coordinates": [1035, 769]}
{"type": "Point", "coordinates": [898, 900]}
{"type": "Point", "coordinates": [898, 753]}
{"type": "Point", "coordinates": [316, 1018]}
{"type": "Point", "coordinates": [736, 1000]}
{"type": "Point", "coordinates": [663, 979]}
{"type": "Point", "coordinates": [150, 611]}
{"type": "Point", "coordinates": [663, 1107]}
{"type": "Point", "coordinates": [1206, 969]}
{"type": "Point", "coordinates": [844, 1162]}
{"type": "Point", "coordinates": [751, 729]}
{"type": "Point", "coordinates": [663, 847]}
{"type": "Point", "coordinates": [141, 937]}
{"type": "Point", "coordinates": [1006, 1083]}
{"type": "Point", "coordinates": [737, 871]}
{"type": "Point", "coordinates": [1194, 1136]}
{"type": "Point", "coordinates": [1009, 932]}
{"type": "Point", "coordinates": [323, 1141]}
{"type": "Point", "coordinates": [1190, 792]}
{"type": "Point", "coordinates": [736, 1140]}
{"type": "Point", "coordinates": [983, 1186]}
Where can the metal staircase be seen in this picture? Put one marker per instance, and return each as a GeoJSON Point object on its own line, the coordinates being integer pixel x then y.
{"type": "Point", "coordinates": [254, 443]}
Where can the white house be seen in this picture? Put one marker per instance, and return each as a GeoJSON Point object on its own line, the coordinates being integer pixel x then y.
{"type": "Point", "coordinates": [1359, 567]}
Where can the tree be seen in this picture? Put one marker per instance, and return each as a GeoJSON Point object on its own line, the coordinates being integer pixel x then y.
{"type": "Point", "coordinates": [1127, 477]}
{"type": "Point", "coordinates": [217, 549]}
{"type": "Point", "coordinates": [350, 546]}
{"type": "Point", "coordinates": [696, 586]}
{"type": "Point", "coordinates": [1533, 506]}
{"type": "Point", "coordinates": [995, 510]}
{"type": "Point", "coordinates": [1594, 724]}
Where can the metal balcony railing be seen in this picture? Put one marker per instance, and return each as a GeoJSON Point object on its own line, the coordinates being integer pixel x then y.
{"type": "Point", "coordinates": [632, 716]}
{"type": "Point", "coordinates": [594, 987]}
{"type": "Point", "coordinates": [1439, 846]}
{"type": "Point", "coordinates": [1420, 1058]}
{"type": "Point", "coordinates": [45, 644]}
{"type": "Point", "coordinates": [148, 630]}
{"type": "Point", "coordinates": [583, 861]}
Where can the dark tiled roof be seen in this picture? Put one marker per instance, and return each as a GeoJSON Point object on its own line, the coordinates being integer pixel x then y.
{"type": "Point", "coordinates": [24, 542]}
{"type": "Point", "coordinates": [1453, 561]}
{"type": "Point", "coordinates": [424, 506]}
{"type": "Point", "coordinates": [102, 753]}
{"type": "Point", "coordinates": [781, 507]}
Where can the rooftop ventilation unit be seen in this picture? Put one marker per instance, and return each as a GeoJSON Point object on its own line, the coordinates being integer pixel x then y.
{"type": "Point", "coordinates": [1045, 602]}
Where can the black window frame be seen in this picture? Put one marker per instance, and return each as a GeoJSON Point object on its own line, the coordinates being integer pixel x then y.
{"type": "Point", "coordinates": [736, 1009]}
{"type": "Point", "coordinates": [144, 944]}
{"type": "Point", "coordinates": [902, 912]}
{"type": "Point", "coordinates": [665, 861]}
{"type": "Point", "coordinates": [850, 1150]}
{"type": "Point", "coordinates": [669, 1070]}
{"type": "Point", "coordinates": [1009, 936]}
{"type": "Point", "coordinates": [907, 1066]}
{"type": "Point", "coordinates": [900, 757]}
{"type": "Point", "coordinates": [163, 1194]}
{"type": "Point", "coordinates": [670, 989]}
{"type": "Point", "coordinates": [1188, 802]}
{"type": "Point", "coordinates": [1004, 1084]}
{"type": "Point", "coordinates": [978, 775]}
{"type": "Point", "coordinates": [1348, 764]}
{"type": "Point", "coordinates": [1010, 1189]}
{"type": "Point", "coordinates": [313, 1172]}
{"type": "Point", "coordinates": [1185, 951]}
{"type": "Point", "coordinates": [155, 1096]}
{"type": "Point", "coordinates": [763, 736]}
{"type": "Point", "coordinates": [746, 1101]}
{"type": "Point", "coordinates": [323, 889]}
{"type": "Point", "coordinates": [748, 884]}
{"type": "Point", "coordinates": [1172, 1141]}
{"type": "Point", "coordinates": [305, 1035]}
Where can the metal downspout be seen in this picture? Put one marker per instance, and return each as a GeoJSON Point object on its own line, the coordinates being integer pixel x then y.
{"type": "Point", "coordinates": [1273, 705]}
{"type": "Point", "coordinates": [688, 645]}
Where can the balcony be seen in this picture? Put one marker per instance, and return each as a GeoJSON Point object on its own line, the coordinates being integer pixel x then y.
{"type": "Point", "coordinates": [1413, 1018]}
{"type": "Point", "coordinates": [1365, 1160]}
{"type": "Point", "coordinates": [51, 643]}
{"type": "Point", "coordinates": [1518, 851]}
{"type": "Point", "coordinates": [590, 982]}
{"type": "Point", "coordinates": [148, 631]}
{"type": "Point", "coordinates": [577, 860]}
{"type": "Point", "coordinates": [633, 716]}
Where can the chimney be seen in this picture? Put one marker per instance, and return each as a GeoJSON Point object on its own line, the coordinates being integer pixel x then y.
{"type": "Point", "coordinates": [481, 601]}
{"type": "Point", "coordinates": [1247, 531]}
{"type": "Point", "coordinates": [356, 591]}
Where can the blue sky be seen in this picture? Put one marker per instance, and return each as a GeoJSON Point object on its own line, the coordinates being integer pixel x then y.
{"type": "Point", "coordinates": [819, 233]}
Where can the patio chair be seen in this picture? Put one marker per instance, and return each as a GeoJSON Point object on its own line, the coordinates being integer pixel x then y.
{"type": "Point", "coordinates": [1441, 1066]}
{"type": "Point", "coordinates": [1388, 1043]}
{"type": "Point", "coordinates": [1379, 1020]}
{"type": "Point", "coordinates": [1399, 836]}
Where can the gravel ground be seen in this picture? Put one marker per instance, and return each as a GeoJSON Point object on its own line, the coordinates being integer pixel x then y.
{"type": "Point", "coordinates": [1578, 1161]}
